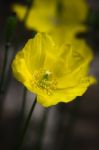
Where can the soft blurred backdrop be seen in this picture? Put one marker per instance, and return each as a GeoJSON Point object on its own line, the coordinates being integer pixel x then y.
{"type": "Point", "coordinates": [71, 126]}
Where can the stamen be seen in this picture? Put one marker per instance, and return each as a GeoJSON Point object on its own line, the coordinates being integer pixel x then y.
{"type": "Point", "coordinates": [45, 81]}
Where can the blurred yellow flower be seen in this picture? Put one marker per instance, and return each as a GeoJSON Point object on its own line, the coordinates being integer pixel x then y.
{"type": "Point", "coordinates": [45, 15]}
{"type": "Point", "coordinates": [55, 74]}
{"type": "Point", "coordinates": [41, 16]}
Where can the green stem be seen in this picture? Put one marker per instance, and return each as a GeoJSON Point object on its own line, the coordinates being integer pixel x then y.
{"type": "Point", "coordinates": [25, 90]}
{"type": "Point", "coordinates": [41, 130]}
{"type": "Point", "coordinates": [26, 125]}
{"type": "Point", "coordinates": [3, 75]}
{"type": "Point", "coordinates": [22, 112]}
{"type": "Point", "coordinates": [68, 132]}
{"type": "Point", "coordinates": [23, 102]}
{"type": "Point", "coordinates": [25, 18]}
{"type": "Point", "coordinates": [9, 30]}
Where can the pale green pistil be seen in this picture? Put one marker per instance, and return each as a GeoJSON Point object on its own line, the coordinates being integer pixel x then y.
{"type": "Point", "coordinates": [46, 76]}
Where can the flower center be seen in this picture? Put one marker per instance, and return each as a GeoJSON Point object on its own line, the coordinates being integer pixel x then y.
{"type": "Point", "coordinates": [45, 80]}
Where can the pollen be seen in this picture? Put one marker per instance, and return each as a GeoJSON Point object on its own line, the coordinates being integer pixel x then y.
{"type": "Point", "coordinates": [45, 81]}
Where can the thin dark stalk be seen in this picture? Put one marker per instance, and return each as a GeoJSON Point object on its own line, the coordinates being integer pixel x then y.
{"type": "Point", "coordinates": [24, 89]}
{"type": "Point", "coordinates": [10, 26]}
{"type": "Point", "coordinates": [3, 74]}
{"type": "Point", "coordinates": [41, 130]}
{"type": "Point", "coordinates": [66, 144]}
{"type": "Point", "coordinates": [26, 125]}
{"type": "Point", "coordinates": [23, 102]}
{"type": "Point", "coordinates": [9, 30]}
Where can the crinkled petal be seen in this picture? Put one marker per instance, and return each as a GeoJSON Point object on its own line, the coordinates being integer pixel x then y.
{"type": "Point", "coordinates": [20, 69]}
{"type": "Point", "coordinates": [38, 53]}
{"type": "Point", "coordinates": [66, 95]}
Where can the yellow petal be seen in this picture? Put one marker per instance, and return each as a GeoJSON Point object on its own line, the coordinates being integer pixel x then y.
{"type": "Point", "coordinates": [37, 54]}
{"type": "Point", "coordinates": [20, 10]}
{"type": "Point", "coordinates": [66, 95]}
{"type": "Point", "coordinates": [66, 34]}
{"type": "Point", "coordinates": [42, 16]}
{"type": "Point", "coordinates": [74, 11]}
{"type": "Point", "coordinates": [20, 69]}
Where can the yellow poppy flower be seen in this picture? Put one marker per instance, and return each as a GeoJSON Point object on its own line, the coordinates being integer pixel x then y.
{"type": "Point", "coordinates": [55, 74]}
{"type": "Point", "coordinates": [41, 16]}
